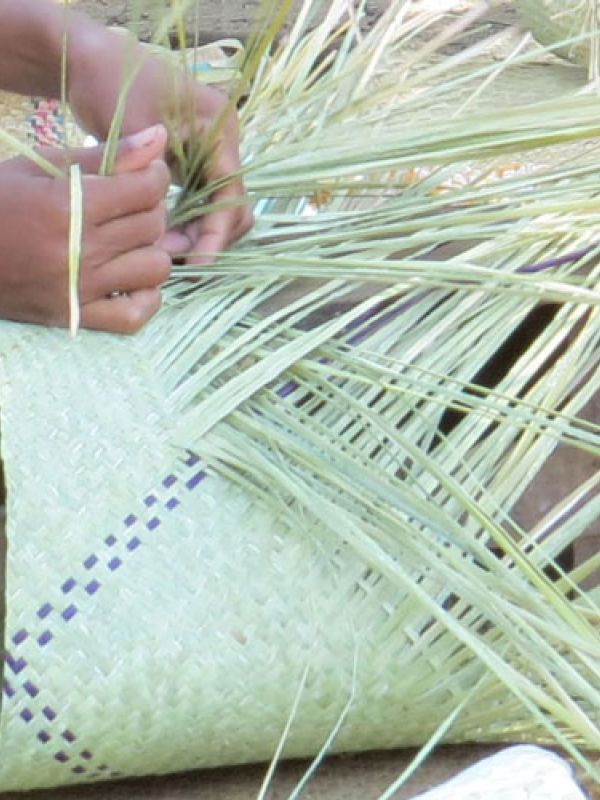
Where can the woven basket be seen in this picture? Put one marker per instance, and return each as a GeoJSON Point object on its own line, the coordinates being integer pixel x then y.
{"type": "Point", "coordinates": [159, 617]}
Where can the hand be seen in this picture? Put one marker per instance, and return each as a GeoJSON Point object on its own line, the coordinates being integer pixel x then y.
{"type": "Point", "coordinates": [156, 92]}
{"type": "Point", "coordinates": [124, 219]}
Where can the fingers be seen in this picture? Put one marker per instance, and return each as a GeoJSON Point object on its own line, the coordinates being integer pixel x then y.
{"type": "Point", "coordinates": [124, 235]}
{"type": "Point", "coordinates": [147, 268]}
{"type": "Point", "coordinates": [134, 152]}
{"type": "Point", "coordinates": [123, 314]}
{"type": "Point", "coordinates": [122, 295]}
{"type": "Point", "coordinates": [217, 231]}
{"type": "Point", "coordinates": [139, 150]}
{"type": "Point", "coordinates": [127, 193]}
{"type": "Point", "coordinates": [124, 215]}
{"type": "Point", "coordinates": [175, 242]}
{"type": "Point", "coordinates": [116, 196]}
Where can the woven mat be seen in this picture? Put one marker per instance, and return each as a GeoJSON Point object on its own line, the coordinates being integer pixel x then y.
{"type": "Point", "coordinates": [158, 618]}
{"type": "Point", "coordinates": [139, 642]}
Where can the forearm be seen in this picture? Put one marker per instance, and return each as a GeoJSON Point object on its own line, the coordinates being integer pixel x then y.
{"type": "Point", "coordinates": [102, 61]}
{"type": "Point", "coordinates": [31, 44]}
{"type": "Point", "coordinates": [98, 59]}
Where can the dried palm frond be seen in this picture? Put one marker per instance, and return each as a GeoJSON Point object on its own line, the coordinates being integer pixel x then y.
{"type": "Point", "coordinates": [290, 499]}
{"type": "Point", "coordinates": [574, 26]}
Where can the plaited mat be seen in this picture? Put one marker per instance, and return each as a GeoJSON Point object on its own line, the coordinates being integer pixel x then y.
{"type": "Point", "coordinates": [200, 624]}
{"type": "Point", "coordinates": [185, 577]}
{"type": "Point", "coordinates": [153, 640]}
{"type": "Point", "coordinates": [35, 120]}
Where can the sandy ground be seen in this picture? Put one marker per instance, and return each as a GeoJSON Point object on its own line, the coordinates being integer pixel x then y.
{"type": "Point", "coordinates": [362, 777]}
{"type": "Point", "coordinates": [217, 19]}
{"type": "Point", "coordinates": [359, 777]}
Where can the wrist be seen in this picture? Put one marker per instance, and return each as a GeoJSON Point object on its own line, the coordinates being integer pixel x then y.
{"type": "Point", "coordinates": [91, 47]}
{"type": "Point", "coordinates": [99, 61]}
{"type": "Point", "coordinates": [31, 38]}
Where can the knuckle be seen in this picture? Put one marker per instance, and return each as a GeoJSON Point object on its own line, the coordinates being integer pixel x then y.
{"type": "Point", "coordinates": [133, 320]}
{"type": "Point", "coordinates": [157, 222]}
{"type": "Point", "coordinates": [215, 99]}
{"type": "Point", "coordinates": [247, 221]}
{"type": "Point", "coordinates": [59, 205]}
{"type": "Point", "coordinates": [86, 286]}
{"type": "Point", "coordinates": [138, 312]}
{"type": "Point", "coordinates": [158, 179]}
{"type": "Point", "coordinates": [57, 315]}
{"type": "Point", "coordinates": [93, 254]}
{"type": "Point", "coordinates": [161, 266]}
{"type": "Point", "coordinates": [150, 226]}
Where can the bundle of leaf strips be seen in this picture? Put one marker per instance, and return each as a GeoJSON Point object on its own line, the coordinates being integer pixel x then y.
{"type": "Point", "coordinates": [570, 31]}
{"type": "Point", "coordinates": [352, 574]}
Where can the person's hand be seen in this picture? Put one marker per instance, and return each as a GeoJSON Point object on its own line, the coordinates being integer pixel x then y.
{"type": "Point", "coordinates": [122, 263]}
{"type": "Point", "coordinates": [96, 72]}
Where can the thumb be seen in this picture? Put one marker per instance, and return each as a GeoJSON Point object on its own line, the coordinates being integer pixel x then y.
{"type": "Point", "coordinates": [138, 150]}
{"type": "Point", "coordinates": [134, 152]}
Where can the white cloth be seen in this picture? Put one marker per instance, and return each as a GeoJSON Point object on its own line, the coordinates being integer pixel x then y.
{"type": "Point", "coordinates": [523, 772]}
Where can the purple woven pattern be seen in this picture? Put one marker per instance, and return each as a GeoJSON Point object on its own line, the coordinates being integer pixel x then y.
{"type": "Point", "coordinates": [49, 723]}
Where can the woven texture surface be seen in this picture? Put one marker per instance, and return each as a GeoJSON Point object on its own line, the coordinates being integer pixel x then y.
{"type": "Point", "coordinates": [159, 617]}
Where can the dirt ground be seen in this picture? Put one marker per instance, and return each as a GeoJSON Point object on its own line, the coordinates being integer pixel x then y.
{"type": "Point", "coordinates": [219, 19]}
{"type": "Point", "coordinates": [359, 777]}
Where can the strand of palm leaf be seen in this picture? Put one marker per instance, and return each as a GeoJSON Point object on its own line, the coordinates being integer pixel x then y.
{"type": "Point", "coordinates": [573, 28]}
{"type": "Point", "coordinates": [347, 240]}
{"type": "Point", "coordinates": [279, 499]}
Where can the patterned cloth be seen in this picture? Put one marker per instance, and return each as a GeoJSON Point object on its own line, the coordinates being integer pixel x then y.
{"type": "Point", "coordinates": [46, 122]}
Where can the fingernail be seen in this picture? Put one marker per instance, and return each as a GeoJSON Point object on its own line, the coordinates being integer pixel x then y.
{"type": "Point", "coordinates": [144, 138]}
{"type": "Point", "coordinates": [174, 243]}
